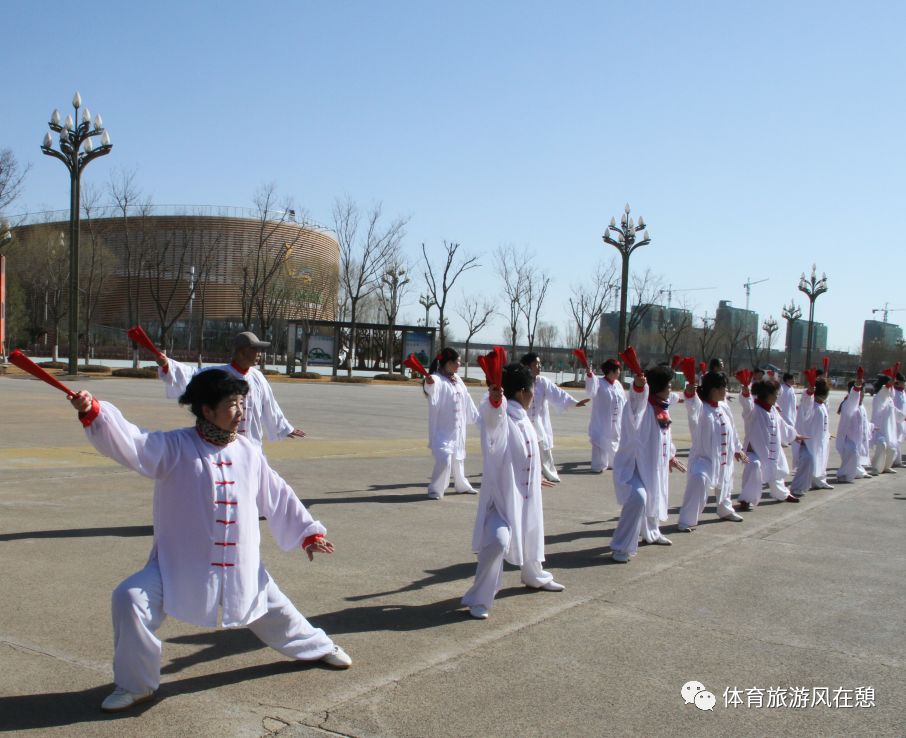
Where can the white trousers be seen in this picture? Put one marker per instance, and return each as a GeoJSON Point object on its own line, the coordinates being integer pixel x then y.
{"type": "Point", "coordinates": [489, 572]}
{"type": "Point", "coordinates": [807, 475]}
{"type": "Point", "coordinates": [633, 520]}
{"type": "Point", "coordinates": [440, 476]}
{"type": "Point", "coordinates": [753, 479]}
{"type": "Point", "coordinates": [138, 611]}
{"type": "Point", "coordinates": [882, 456]}
{"type": "Point", "coordinates": [698, 486]}
{"type": "Point", "coordinates": [548, 467]}
{"type": "Point", "coordinates": [849, 468]}
{"type": "Point", "coordinates": [602, 457]}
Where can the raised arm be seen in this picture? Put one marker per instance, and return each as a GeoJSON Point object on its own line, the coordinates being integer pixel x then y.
{"type": "Point", "coordinates": [175, 376]}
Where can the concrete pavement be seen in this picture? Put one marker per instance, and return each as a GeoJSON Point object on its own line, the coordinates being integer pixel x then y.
{"type": "Point", "coordinates": [798, 603]}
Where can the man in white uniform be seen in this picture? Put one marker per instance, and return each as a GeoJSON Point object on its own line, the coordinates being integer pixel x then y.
{"type": "Point", "coordinates": [211, 486]}
{"type": "Point", "coordinates": [607, 400]}
{"type": "Point", "coordinates": [263, 416]}
{"type": "Point", "coordinates": [546, 395]}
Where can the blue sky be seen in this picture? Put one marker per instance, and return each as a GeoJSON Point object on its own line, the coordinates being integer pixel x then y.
{"type": "Point", "coordinates": [755, 138]}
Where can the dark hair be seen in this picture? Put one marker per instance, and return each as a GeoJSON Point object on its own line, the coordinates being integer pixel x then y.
{"type": "Point", "coordinates": [712, 380]}
{"type": "Point", "coordinates": [448, 354]}
{"type": "Point", "coordinates": [899, 377]}
{"type": "Point", "coordinates": [530, 358]}
{"type": "Point", "coordinates": [611, 365]}
{"type": "Point", "coordinates": [763, 388]}
{"type": "Point", "coordinates": [209, 388]}
{"type": "Point", "coordinates": [821, 388]}
{"type": "Point", "coordinates": [516, 377]}
{"type": "Point", "coordinates": [787, 376]}
{"type": "Point", "coordinates": [659, 378]}
{"type": "Point", "coordinates": [715, 364]}
{"type": "Point", "coordinates": [757, 368]}
{"type": "Point", "coordinates": [882, 381]}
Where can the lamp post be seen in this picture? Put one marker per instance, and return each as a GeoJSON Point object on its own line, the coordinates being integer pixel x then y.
{"type": "Point", "coordinates": [75, 151]}
{"type": "Point", "coordinates": [6, 238]}
{"type": "Point", "coordinates": [622, 238]}
{"type": "Point", "coordinates": [813, 288]}
{"type": "Point", "coordinates": [790, 313]}
{"type": "Point", "coordinates": [394, 279]}
{"type": "Point", "coordinates": [770, 327]}
{"type": "Point", "coordinates": [427, 303]}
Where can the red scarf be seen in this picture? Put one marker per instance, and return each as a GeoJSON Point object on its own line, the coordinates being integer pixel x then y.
{"type": "Point", "coordinates": [661, 415]}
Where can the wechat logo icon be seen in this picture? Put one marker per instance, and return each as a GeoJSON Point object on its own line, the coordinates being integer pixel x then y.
{"type": "Point", "coordinates": [694, 693]}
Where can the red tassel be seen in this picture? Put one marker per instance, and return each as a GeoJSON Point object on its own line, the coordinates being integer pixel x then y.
{"type": "Point", "coordinates": [702, 367]}
{"type": "Point", "coordinates": [675, 361]}
{"type": "Point", "coordinates": [811, 376]}
{"type": "Point", "coordinates": [137, 334]}
{"type": "Point", "coordinates": [631, 360]}
{"type": "Point", "coordinates": [826, 362]}
{"type": "Point", "coordinates": [492, 364]}
{"type": "Point", "coordinates": [860, 375]}
{"type": "Point", "coordinates": [687, 367]}
{"type": "Point", "coordinates": [744, 376]}
{"type": "Point", "coordinates": [582, 357]}
{"type": "Point", "coordinates": [17, 358]}
{"type": "Point", "coordinates": [411, 362]}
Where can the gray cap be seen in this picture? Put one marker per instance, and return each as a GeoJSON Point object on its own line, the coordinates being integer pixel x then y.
{"type": "Point", "coordinates": [248, 339]}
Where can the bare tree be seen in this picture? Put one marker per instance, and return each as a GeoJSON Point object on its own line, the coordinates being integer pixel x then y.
{"type": "Point", "coordinates": [476, 314]}
{"type": "Point", "coordinates": [707, 338]}
{"type": "Point", "coordinates": [395, 282]}
{"type": "Point", "coordinates": [133, 208]}
{"type": "Point", "coordinates": [12, 176]}
{"type": "Point", "coordinates": [511, 267]}
{"type": "Point", "coordinates": [731, 338]}
{"type": "Point", "coordinates": [588, 303]}
{"type": "Point", "coordinates": [536, 290]}
{"type": "Point", "coordinates": [672, 327]}
{"type": "Point", "coordinates": [646, 288]}
{"type": "Point", "coordinates": [97, 262]}
{"type": "Point", "coordinates": [440, 280]}
{"type": "Point", "coordinates": [364, 251]}
{"type": "Point", "coordinates": [311, 302]}
{"type": "Point", "coordinates": [547, 338]}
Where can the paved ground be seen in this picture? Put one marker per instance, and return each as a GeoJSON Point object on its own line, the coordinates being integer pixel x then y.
{"type": "Point", "coordinates": [805, 598]}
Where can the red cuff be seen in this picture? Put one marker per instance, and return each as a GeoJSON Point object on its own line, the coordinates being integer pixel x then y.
{"type": "Point", "coordinates": [637, 388]}
{"type": "Point", "coordinates": [311, 539]}
{"type": "Point", "coordinates": [688, 393]}
{"type": "Point", "coordinates": [88, 418]}
{"type": "Point", "coordinates": [810, 391]}
{"type": "Point", "coordinates": [165, 368]}
{"type": "Point", "coordinates": [495, 403]}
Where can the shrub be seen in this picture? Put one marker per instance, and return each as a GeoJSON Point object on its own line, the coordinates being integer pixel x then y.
{"type": "Point", "coordinates": [143, 372]}
{"type": "Point", "coordinates": [95, 369]}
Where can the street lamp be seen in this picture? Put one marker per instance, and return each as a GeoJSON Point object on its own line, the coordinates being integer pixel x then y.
{"type": "Point", "coordinates": [622, 238]}
{"type": "Point", "coordinates": [427, 302]}
{"type": "Point", "coordinates": [813, 288]}
{"type": "Point", "coordinates": [770, 327]}
{"type": "Point", "coordinates": [790, 313]}
{"type": "Point", "coordinates": [6, 238]}
{"type": "Point", "coordinates": [394, 279]}
{"type": "Point", "coordinates": [75, 151]}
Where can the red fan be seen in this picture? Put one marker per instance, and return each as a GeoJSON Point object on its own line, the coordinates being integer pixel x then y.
{"type": "Point", "coordinates": [744, 376]}
{"type": "Point", "coordinates": [492, 364]}
{"type": "Point", "coordinates": [675, 361]}
{"type": "Point", "coordinates": [137, 334]}
{"type": "Point", "coordinates": [811, 376]}
{"type": "Point", "coordinates": [20, 360]}
{"type": "Point", "coordinates": [826, 362]}
{"type": "Point", "coordinates": [702, 367]}
{"type": "Point", "coordinates": [631, 359]}
{"type": "Point", "coordinates": [687, 367]}
{"type": "Point", "coordinates": [410, 362]}
{"type": "Point", "coordinates": [860, 375]}
{"type": "Point", "coordinates": [582, 357]}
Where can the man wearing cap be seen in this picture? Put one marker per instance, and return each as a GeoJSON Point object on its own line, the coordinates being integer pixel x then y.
{"type": "Point", "coordinates": [263, 415]}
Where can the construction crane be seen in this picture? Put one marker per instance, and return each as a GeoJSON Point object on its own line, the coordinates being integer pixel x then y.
{"type": "Point", "coordinates": [669, 292]}
{"type": "Point", "coordinates": [884, 310]}
{"type": "Point", "coordinates": [748, 285]}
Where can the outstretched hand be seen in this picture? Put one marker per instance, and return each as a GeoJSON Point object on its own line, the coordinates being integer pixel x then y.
{"type": "Point", "coordinates": [297, 433]}
{"type": "Point", "coordinates": [162, 361]}
{"type": "Point", "coordinates": [677, 464]}
{"type": "Point", "coordinates": [546, 483]}
{"type": "Point", "coordinates": [322, 545]}
{"type": "Point", "coordinates": [583, 403]}
{"type": "Point", "coordinates": [81, 401]}
{"type": "Point", "coordinates": [742, 456]}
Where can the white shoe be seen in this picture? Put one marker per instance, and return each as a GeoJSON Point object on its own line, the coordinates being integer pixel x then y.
{"type": "Point", "coordinates": [686, 528]}
{"type": "Point", "coordinates": [121, 699]}
{"type": "Point", "coordinates": [552, 586]}
{"type": "Point", "coordinates": [478, 612]}
{"type": "Point", "coordinates": [338, 658]}
{"type": "Point", "coordinates": [662, 540]}
{"type": "Point", "coordinates": [821, 484]}
{"type": "Point", "coordinates": [620, 557]}
{"type": "Point", "coordinates": [433, 496]}
{"type": "Point", "coordinates": [733, 517]}
{"type": "Point", "coordinates": [468, 491]}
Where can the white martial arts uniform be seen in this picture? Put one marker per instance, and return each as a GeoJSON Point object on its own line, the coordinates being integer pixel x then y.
{"type": "Point", "coordinates": [786, 403]}
{"type": "Point", "coordinates": [450, 410]}
{"type": "Point", "coordinates": [714, 442]}
{"type": "Point", "coordinates": [205, 559]}
{"type": "Point", "coordinates": [546, 395]}
{"type": "Point", "coordinates": [766, 430]}
{"type": "Point", "coordinates": [899, 402]}
{"type": "Point", "coordinates": [262, 415]}
{"type": "Point", "coordinates": [812, 423]}
{"type": "Point", "coordinates": [885, 421]}
{"type": "Point", "coordinates": [509, 524]}
{"type": "Point", "coordinates": [641, 472]}
{"type": "Point", "coordinates": [607, 401]}
{"type": "Point", "coordinates": [853, 433]}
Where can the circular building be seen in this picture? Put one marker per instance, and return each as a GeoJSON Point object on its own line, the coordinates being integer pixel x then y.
{"type": "Point", "coordinates": [191, 279]}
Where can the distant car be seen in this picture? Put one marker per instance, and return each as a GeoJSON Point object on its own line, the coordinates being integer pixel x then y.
{"type": "Point", "coordinates": [319, 354]}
